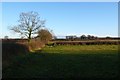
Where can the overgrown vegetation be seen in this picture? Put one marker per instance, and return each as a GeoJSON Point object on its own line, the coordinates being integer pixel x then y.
{"type": "Point", "coordinates": [11, 49]}
{"type": "Point", "coordinates": [35, 45]}
{"type": "Point", "coordinates": [44, 35]}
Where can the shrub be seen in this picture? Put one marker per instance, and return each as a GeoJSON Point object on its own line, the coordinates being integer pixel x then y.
{"type": "Point", "coordinates": [10, 48]}
{"type": "Point", "coordinates": [34, 45]}
{"type": "Point", "coordinates": [51, 44]}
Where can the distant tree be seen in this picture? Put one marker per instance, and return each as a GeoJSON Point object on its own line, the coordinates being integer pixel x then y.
{"type": "Point", "coordinates": [22, 37]}
{"type": "Point", "coordinates": [6, 37]}
{"type": "Point", "coordinates": [45, 35]}
{"type": "Point", "coordinates": [83, 37]}
{"type": "Point", "coordinates": [92, 37]}
{"type": "Point", "coordinates": [89, 36]}
{"type": "Point", "coordinates": [53, 35]}
{"type": "Point", "coordinates": [29, 24]}
{"type": "Point", "coordinates": [72, 37]}
{"type": "Point", "coordinates": [108, 37]}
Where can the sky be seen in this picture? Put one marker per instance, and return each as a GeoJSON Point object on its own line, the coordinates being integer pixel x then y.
{"type": "Point", "coordinates": [60, 0]}
{"type": "Point", "coordinates": [65, 18]}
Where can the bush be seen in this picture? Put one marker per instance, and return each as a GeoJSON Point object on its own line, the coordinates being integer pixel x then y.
{"type": "Point", "coordinates": [51, 44]}
{"type": "Point", "coordinates": [34, 45]}
{"type": "Point", "coordinates": [10, 49]}
{"type": "Point", "coordinates": [45, 35]}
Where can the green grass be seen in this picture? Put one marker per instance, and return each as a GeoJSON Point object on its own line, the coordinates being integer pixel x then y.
{"type": "Point", "coordinates": [78, 48]}
{"type": "Point", "coordinates": [93, 61]}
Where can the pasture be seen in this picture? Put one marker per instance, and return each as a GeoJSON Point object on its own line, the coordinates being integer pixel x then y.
{"type": "Point", "coordinates": [66, 61]}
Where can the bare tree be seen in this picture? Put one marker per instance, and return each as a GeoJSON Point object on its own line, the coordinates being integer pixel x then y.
{"type": "Point", "coordinates": [45, 35]}
{"type": "Point", "coordinates": [29, 24]}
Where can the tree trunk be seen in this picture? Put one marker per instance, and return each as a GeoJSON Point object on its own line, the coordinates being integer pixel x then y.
{"type": "Point", "coordinates": [29, 38]}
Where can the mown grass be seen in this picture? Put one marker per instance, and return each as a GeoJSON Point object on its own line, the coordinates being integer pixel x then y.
{"type": "Point", "coordinates": [93, 61]}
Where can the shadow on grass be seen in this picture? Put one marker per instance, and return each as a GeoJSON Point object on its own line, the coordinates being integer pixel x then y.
{"type": "Point", "coordinates": [84, 65]}
{"type": "Point", "coordinates": [11, 50]}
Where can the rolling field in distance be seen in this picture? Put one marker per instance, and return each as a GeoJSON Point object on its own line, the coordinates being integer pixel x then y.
{"type": "Point", "coordinates": [66, 61]}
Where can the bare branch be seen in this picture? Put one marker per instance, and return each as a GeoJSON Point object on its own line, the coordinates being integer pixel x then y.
{"type": "Point", "coordinates": [29, 24]}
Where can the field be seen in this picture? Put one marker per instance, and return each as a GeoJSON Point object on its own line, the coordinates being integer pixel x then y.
{"type": "Point", "coordinates": [66, 61]}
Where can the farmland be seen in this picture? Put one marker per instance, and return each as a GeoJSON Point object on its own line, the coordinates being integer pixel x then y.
{"type": "Point", "coordinates": [66, 61]}
{"type": "Point", "coordinates": [60, 40]}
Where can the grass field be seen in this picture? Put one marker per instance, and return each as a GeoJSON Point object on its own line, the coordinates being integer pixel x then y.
{"type": "Point", "coordinates": [79, 61]}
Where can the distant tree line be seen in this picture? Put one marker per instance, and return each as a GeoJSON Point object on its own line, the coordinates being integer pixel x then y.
{"type": "Point", "coordinates": [87, 42]}
{"type": "Point", "coordinates": [82, 37]}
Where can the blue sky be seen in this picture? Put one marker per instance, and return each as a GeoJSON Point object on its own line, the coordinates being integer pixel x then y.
{"type": "Point", "coordinates": [60, 0]}
{"type": "Point", "coordinates": [68, 18]}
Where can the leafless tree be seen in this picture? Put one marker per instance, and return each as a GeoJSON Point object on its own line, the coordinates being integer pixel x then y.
{"type": "Point", "coordinates": [29, 24]}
